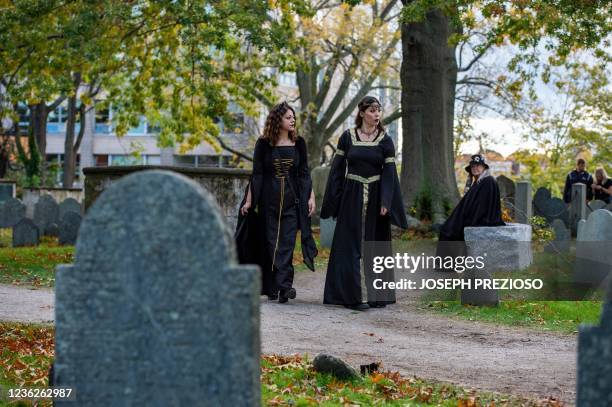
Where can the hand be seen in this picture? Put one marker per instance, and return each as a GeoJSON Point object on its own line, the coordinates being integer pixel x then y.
{"type": "Point", "coordinates": [383, 211]}
{"type": "Point", "coordinates": [245, 208]}
{"type": "Point", "coordinates": [311, 205]}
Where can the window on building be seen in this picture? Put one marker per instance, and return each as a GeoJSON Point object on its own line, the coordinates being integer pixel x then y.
{"type": "Point", "coordinates": [101, 160]}
{"type": "Point", "coordinates": [185, 160]}
{"type": "Point", "coordinates": [117, 160]}
{"type": "Point", "coordinates": [152, 160]}
{"type": "Point", "coordinates": [103, 120]}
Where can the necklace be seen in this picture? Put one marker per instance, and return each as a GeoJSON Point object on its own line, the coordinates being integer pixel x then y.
{"type": "Point", "coordinates": [368, 136]}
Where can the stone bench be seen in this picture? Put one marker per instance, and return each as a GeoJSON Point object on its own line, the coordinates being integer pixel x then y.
{"type": "Point", "coordinates": [506, 248]}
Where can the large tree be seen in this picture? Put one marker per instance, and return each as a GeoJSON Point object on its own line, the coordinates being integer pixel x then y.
{"type": "Point", "coordinates": [431, 32]}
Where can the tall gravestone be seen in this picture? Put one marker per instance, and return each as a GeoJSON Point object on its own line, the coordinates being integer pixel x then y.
{"type": "Point", "coordinates": [7, 190]}
{"type": "Point", "coordinates": [578, 207]}
{"type": "Point", "coordinates": [12, 211]}
{"type": "Point", "coordinates": [46, 215]}
{"type": "Point", "coordinates": [523, 202]}
{"type": "Point", "coordinates": [69, 228]}
{"type": "Point", "coordinates": [155, 311]}
{"type": "Point", "coordinates": [593, 247]}
{"type": "Point", "coordinates": [507, 192]}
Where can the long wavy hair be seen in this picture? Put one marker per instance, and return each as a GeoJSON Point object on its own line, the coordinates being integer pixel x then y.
{"type": "Point", "coordinates": [273, 123]}
{"type": "Point", "coordinates": [363, 105]}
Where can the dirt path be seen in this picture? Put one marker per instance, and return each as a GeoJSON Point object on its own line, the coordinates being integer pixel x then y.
{"type": "Point", "coordinates": [470, 354]}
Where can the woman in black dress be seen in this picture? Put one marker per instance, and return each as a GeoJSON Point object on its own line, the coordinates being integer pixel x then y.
{"type": "Point", "coordinates": [281, 193]}
{"type": "Point", "coordinates": [363, 193]}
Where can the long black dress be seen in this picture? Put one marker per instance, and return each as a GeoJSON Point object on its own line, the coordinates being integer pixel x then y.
{"type": "Point", "coordinates": [280, 189]}
{"type": "Point", "coordinates": [362, 178]}
{"type": "Point", "coordinates": [480, 206]}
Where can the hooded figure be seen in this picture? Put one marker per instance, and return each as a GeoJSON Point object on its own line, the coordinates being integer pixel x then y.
{"type": "Point", "coordinates": [480, 206]}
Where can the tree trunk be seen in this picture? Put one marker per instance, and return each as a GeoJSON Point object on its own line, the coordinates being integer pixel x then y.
{"type": "Point", "coordinates": [5, 155]}
{"type": "Point", "coordinates": [69, 164]}
{"type": "Point", "coordinates": [428, 76]}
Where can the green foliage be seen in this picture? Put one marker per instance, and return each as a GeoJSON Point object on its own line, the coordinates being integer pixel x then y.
{"type": "Point", "coordinates": [541, 232]}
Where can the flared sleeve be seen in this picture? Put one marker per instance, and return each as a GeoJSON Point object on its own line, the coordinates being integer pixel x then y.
{"type": "Point", "coordinates": [390, 193]}
{"type": "Point", "coordinates": [335, 180]}
{"type": "Point", "coordinates": [257, 175]}
{"type": "Point", "coordinates": [309, 246]}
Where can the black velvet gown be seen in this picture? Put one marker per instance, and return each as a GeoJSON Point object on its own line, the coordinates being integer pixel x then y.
{"type": "Point", "coordinates": [363, 177]}
{"type": "Point", "coordinates": [280, 189]}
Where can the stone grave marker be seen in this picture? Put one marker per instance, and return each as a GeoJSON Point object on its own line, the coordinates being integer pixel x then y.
{"type": "Point", "coordinates": [507, 192]}
{"type": "Point", "coordinates": [25, 233]}
{"type": "Point", "coordinates": [596, 204]}
{"type": "Point", "coordinates": [549, 208]}
{"type": "Point", "coordinates": [12, 211]}
{"type": "Point", "coordinates": [578, 206]}
{"type": "Point", "coordinates": [561, 243]}
{"type": "Point", "coordinates": [46, 215]}
{"type": "Point", "coordinates": [69, 228]}
{"type": "Point", "coordinates": [70, 204]}
{"type": "Point", "coordinates": [155, 311]}
{"type": "Point", "coordinates": [523, 202]}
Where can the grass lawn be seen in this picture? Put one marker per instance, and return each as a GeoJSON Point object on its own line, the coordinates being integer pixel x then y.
{"type": "Point", "coordinates": [27, 351]}
{"type": "Point", "coordinates": [32, 266]}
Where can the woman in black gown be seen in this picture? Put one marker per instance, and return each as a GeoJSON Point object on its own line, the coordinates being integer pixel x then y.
{"type": "Point", "coordinates": [363, 194]}
{"type": "Point", "coordinates": [281, 193]}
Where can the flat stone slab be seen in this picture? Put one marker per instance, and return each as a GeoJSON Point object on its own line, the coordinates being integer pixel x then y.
{"type": "Point", "coordinates": [506, 248]}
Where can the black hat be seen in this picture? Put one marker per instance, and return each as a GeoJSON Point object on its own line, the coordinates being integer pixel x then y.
{"type": "Point", "coordinates": [476, 159]}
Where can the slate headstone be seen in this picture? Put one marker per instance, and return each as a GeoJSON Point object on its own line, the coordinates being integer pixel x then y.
{"type": "Point", "coordinates": [507, 192]}
{"type": "Point", "coordinates": [596, 204]}
{"type": "Point", "coordinates": [328, 226]}
{"type": "Point", "coordinates": [594, 384]}
{"type": "Point", "coordinates": [69, 228]}
{"type": "Point", "coordinates": [578, 206]}
{"type": "Point", "coordinates": [46, 213]}
{"type": "Point", "coordinates": [70, 205]}
{"type": "Point", "coordinates": [12, 211]}
{"type": "Point", "coordinates": [25, 233]}
{"type": "Point", "coordinates": [155, 311]}
{"type": "Point", "coordinates": [561, 243]}
{"type": "Point", "coordinates": [523, 202]}
{"type": "Point", "coordinates": [7, 190]}
{"type": "Point", "coordinates": [548, 207]}
{"type": "Point", "coordinates": [593, 247]}
{"type": "Point", "coordinates": [609, 207]}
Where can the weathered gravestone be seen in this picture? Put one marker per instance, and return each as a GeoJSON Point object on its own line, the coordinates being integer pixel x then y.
{"type": "Point", "coordinates": [155, 311]}
{"type": "Point", "coordinates": [522, 202]}
{"type": "Point", "coordinates": [12, 211]}
{"type": "Point", "coordinates": [328, 226]}
{"type": "Point", "coordinates": [609, 207]}
{"type": "Point", "coordinates": [504, 248]}
{"type": "Point", "coordinates": [25, 233]}
{"type": "Point", "coordinates": [69, 228]}
{"type": "Point", "coordinates": [7, 190]}
{"type": "Point", "coordinates": [561, 243]}
{"type": "Point", "coordinates": [319, 177]}
{"type": "Point", "coordinates": [593, 247]}
{"type": "Point", "coordinates": [596, 204]}
{"type": "Point", "coordinates": [507, 192]}
{"type": "Point", "coordinates": [70, 205]}
{"type": "Point", "coordinates": [578, 206]}
{"type": "Point", "coordinates": [46, 215]}
{"type": "Point", "coordinates": [549, 208]}
{"type": "Point", "coordinates": [594, 382]}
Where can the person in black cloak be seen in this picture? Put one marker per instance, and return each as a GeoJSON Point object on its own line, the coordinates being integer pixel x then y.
{"type": "Point", "coordinates": [480, 206]}
{"type": "Point", "coordinates": [279, 200]}
{"type": "Point", "coordinates": [363, 194]}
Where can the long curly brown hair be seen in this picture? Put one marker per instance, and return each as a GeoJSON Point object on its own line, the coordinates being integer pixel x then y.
{"type": "Point", "coordinates": [273, 123]}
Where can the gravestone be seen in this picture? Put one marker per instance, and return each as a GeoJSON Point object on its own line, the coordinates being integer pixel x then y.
{"type": "Point", "coordinates": [594, 382]}
{"type": "Point", "coordinates": [561, 243]}
{"type": "Point", "coordinates": [523, 202]}
{"type": "Point", "coordinates": [578, 207]}
{"type": "Point", "coordinates": [507, 192]}
{"type": "Point", "coordinates": [155, 311]}
{"type": "Point", "coordinates": [593, 247]}
{"type": "Point", "coordinates": [327, 232]}
{"type": "Point", "coordinates": [46, 214]}
{"type": "Point", "coordinates": [25, 233]}
{"type": "Point", "coordinates": [504, 248]}
{"type": "Point", "coordinates": [69, 228]}
{"type": "Point", "coordinates": [549, 208]}
{"type": "Point", "coordinates": [319, 177]}
{"type": "Point", "coordinates": [12, 211]}
{"type": "Point", "coordinates": [596, 204]}
{"type": "Point", "coordinates": [7, 190]}
{"type": "Point", "coordinates": [609, 206]}
{"type": "Point", "coordinates": [70, 205]}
